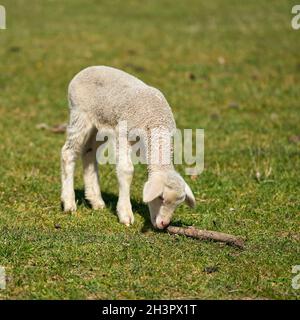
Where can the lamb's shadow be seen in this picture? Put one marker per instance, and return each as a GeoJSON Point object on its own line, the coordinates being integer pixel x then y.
{"type": "Point", "coordinates": [80, 199]}
{"type": "Point", "coordinates": [111, 201]}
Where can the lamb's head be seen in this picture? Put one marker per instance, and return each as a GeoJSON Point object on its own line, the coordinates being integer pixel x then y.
{"type": "Point", "coordinates": [163, 192]}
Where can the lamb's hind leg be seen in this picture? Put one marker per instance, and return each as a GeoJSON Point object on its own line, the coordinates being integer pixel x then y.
{"type": "Point", "coordinates": [77, 134]}
{"type": "Point", "coordinates": [90, 173]}
{"type": "Point", "coordinates": [125, 173]}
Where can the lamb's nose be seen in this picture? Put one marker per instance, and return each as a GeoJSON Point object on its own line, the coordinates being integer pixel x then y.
{"type": "Point", "coordinates": [164, 224]}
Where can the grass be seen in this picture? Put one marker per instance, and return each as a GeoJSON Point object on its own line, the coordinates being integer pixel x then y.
{"type": "Point", "coordinates": [231, 68]}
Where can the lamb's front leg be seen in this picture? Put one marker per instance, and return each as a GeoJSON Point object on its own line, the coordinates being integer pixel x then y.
{"type": "Point", "coordinates": [125, 173]}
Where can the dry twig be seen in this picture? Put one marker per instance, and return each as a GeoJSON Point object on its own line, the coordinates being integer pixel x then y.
{"type": "Point", "coordinates": [60, 128]}
{"type": "Point", "coordinates": [208, 235]}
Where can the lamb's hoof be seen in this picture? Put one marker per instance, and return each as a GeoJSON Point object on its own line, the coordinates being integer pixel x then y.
{"type": "Point", "coordinates": [127, 220]}
{"type": "Point", "coordinates": [126, 217]}
{"type": "Point", "coordinates": [69, 207]}
{"type": "Point", "coordinates": [97, 205]}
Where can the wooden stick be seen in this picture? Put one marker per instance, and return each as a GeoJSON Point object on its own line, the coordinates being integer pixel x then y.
{"type": "Point", "coordinates": [59, 128]}
{"type": "Point", "coordinates": [208, 235]}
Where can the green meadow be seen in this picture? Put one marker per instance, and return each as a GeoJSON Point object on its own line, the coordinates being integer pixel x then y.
{"type": "Point", "coordinates": [231, 68]}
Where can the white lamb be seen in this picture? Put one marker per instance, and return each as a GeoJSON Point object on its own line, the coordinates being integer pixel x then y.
{"type": "Point", "coordinates": [100, 97]}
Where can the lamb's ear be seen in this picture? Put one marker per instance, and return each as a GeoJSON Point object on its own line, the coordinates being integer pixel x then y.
{"type": "Point", "coordinates": [189, 199]}
{"type": "Point", "coordinates": [153, 188]}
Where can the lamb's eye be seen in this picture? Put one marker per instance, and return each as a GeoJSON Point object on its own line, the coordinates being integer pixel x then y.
{"type": "Point", "coordinates": [161, 198]}
{"type": "Point", "coordinates": [181, 198]}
